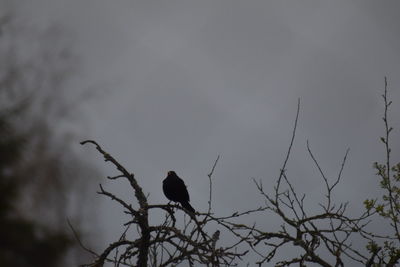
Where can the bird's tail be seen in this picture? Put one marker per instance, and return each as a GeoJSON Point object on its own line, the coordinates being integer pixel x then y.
{"type": "Point", "coordinates": [187, 206]}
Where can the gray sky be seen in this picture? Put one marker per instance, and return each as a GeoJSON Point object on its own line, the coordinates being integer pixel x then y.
{"type": "Point", "coordinates": [185, 81]}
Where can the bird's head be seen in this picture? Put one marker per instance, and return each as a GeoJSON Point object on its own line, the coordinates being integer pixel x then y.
{"type": "Point", "coordinates": [171, 173]}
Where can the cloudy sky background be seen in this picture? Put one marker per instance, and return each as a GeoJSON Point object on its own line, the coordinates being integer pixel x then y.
{"type": "Point", "coordinates": [183, 81]}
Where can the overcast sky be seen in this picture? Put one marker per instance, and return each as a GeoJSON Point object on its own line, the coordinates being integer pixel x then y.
{"type": "Point", "coordinates": [184, 81]}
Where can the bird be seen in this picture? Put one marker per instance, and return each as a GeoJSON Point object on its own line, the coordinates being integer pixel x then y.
{"type": "Point", "coordinates": [174, 189]}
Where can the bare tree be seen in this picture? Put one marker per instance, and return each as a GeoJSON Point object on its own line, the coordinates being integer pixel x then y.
{"type": "Point", "coordinates": [168, 242]}
{"type": "Point", "coordinates": [325, 237]}
{"type": "Point", "coordinates": [328, 231]}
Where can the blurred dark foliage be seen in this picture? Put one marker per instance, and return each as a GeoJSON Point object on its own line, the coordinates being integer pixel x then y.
{"type": "Point", "coordinates": [24, 242]}
{"type": "Point", "coordinates": [42, 180]}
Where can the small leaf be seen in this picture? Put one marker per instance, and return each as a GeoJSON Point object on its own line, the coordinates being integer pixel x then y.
{"type": "Point", "coordinates": [369, 203]}
{"type": "Point", "coordinates": [379, 208]}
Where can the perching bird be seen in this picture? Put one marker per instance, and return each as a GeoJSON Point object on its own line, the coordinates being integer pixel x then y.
{"type": "Point", "coordinates": [175, 189]}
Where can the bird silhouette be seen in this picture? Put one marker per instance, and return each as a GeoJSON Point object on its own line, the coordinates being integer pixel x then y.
{"type": "Point", "coordinates": [175, 190]}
